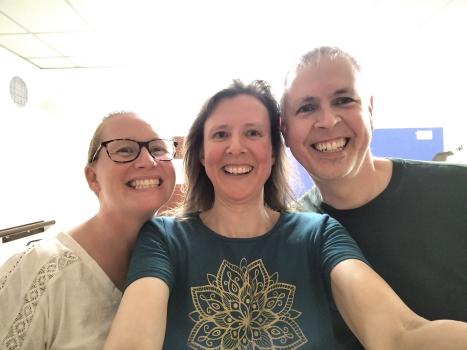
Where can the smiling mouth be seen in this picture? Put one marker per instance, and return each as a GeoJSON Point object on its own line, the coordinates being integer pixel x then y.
{"type": "Point", "coordinates": [331, 146]}
{"type": "Point", "coordinates": [238, 170]}
{"type": "Point", "coordinates": [144, 183]}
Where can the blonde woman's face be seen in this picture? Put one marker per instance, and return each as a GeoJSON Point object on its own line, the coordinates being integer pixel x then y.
{"type": "Point", "coordinates": [141, 186]}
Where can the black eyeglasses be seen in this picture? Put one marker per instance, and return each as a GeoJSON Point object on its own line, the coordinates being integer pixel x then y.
{"type": "Point", "coordinates": [127, 150]}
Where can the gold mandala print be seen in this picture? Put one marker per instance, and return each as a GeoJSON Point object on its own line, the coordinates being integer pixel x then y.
{"type": "Point", "coordinates": [244, 308]}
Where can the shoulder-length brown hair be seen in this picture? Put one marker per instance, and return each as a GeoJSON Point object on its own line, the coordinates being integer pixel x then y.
{"type": "Point", "coordinates": [198, 187]}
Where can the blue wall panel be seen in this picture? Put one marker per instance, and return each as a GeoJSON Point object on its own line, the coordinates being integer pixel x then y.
{"type": "Point", "coordinates": [409, 143]}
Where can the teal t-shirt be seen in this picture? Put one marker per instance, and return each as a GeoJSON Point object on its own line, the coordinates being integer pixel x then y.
{"type": "Point", "coordinates": [266, 292]}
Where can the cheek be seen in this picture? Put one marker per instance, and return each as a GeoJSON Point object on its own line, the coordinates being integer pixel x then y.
{"type": "Point", "coordinates": [212, 156]}
{"type": "Point", "coordinates": [298, 129]}
{"type": "Point", "coordinates": [266, 154]}
{"type": "Point", "coordinates": [211, 164]}
{"type": "Point", "coordinates": [364, 127]}
{"type": "Point", "coordinates": [170, 171]}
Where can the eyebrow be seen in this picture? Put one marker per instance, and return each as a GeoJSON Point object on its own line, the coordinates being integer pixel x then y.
{"type": "Point", "coordinates": [255, 124]}
{"type": "Point", "coordinates": [219, 126]}
{"type": "Point", "coordinates": [307, 99]}
{"type": "Point", "coordinates": [227, 126]}
{"type": "Point", "coordinates": [344, 91]}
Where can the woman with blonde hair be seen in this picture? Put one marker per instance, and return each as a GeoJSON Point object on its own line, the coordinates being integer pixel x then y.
{"type": "Point", "coordinates": [62, 293]}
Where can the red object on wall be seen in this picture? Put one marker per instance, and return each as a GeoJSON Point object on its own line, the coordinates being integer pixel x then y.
{"type": "Point", "coordinates": [177, 198]}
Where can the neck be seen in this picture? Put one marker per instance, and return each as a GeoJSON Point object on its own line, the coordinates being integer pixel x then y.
{"type": "Point", "coordinates": [240, 221]}
{"type": "Point", "coordinates": [354, 191]}
{"type": "Point", "coordinates": [109, 241]}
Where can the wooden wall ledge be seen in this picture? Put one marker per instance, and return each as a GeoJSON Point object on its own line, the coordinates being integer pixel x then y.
{"type": "Point", "coordinates": [16, 232]}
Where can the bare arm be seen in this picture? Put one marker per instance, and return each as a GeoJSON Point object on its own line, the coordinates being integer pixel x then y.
{"type": "Point", "coordinates": [380, 319]}
{"type": "Point", "coordinates": [141, 317]}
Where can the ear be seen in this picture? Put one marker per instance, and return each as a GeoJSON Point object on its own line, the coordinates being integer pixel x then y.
{"type": "Point", "coordinates": [201, 157]}
{"type": "Point", "coordinates": [284, 130]}
{"type": "Point", "coordinates": [370, 110]}
{"type": "Point", "coordinates": [91, 178]}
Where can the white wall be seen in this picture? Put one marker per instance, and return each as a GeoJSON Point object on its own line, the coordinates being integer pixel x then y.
{"type": "Point", "coordinates": [38, 180]}
{"type": "Point", "coordinates": [45, 143]}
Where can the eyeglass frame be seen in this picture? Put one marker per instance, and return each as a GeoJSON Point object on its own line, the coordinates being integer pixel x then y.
{"type": "Point", "coordinates": [141, 144]}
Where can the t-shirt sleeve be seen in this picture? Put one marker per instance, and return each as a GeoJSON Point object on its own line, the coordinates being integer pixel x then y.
{"type": "Point", "coordinates": [337, 246]}
{"type": "Point", "coordinates": [150, 257]}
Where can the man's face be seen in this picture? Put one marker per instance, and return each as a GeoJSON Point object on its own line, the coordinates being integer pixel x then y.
{"type": "Point", "coordinates": [327, 121]}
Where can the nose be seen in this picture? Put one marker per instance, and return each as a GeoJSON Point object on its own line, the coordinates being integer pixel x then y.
{"type": "Point", "coordinates": [327, 118]}
{"type": "Point", "coordinates": [145, 159]}
{"type": "Point", "coordinates": [236, 145]}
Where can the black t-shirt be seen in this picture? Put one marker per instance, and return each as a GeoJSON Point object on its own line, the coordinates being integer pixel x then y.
{"type": "Point", "coordinates": [414, 234]}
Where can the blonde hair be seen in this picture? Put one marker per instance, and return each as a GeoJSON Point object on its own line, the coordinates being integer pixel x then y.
{"type": "Point", "coordinates": [97, 136]}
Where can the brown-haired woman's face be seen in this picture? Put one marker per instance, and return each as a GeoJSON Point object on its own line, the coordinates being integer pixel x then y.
{"type": "Point", "coordinates": [237, 150]}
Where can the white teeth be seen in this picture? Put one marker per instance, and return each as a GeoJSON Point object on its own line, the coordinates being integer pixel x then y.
{"type": "Point", "coordinates": [334, 146]}
{"type": "Point", "coordinates": [145, 183]}
{"type": "Point", "coordinates": [238, 170]}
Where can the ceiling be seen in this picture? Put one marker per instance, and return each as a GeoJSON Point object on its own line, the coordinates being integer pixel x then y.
{"type": "Point", "coordinates": [54, 34]}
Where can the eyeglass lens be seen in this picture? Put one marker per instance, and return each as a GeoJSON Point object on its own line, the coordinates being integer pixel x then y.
{"type": "Point", "coordinates": [128, 150]}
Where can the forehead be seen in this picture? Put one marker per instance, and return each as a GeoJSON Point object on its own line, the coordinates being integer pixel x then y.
{"type": "Point", "coordinates": [324, 77]}
{"type": "Point", "coordinates": [127, 126]}
{"type": "Point", "coordinates": [241, 109]}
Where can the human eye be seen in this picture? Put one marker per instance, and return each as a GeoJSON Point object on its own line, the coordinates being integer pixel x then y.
{"type": "Point", "coordinates": [220, 135]}
{"type": "Point", "coordinates": [306, 108]}
{"type": "Point", "coordinates": [123, 148]}
{"type": "Point", "coordinates": [158, 150]}
{"type": "Point", "coordinates": [343, 101]}
{"type": "Point", "coordinates": [254, 133]}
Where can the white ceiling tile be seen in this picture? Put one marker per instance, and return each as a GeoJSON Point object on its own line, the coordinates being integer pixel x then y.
{"type": "Point", "coordinates": [74, 44]}
{"type": "Point", "coordinates": [409, 13]}
{"type": "Point", "coordinates": [98, 62]}
{"type": "Point", "coordinates": [44, 15]}
{"type": "Point", "coordinates": [26, 45]}
{"type": "Point", "coordinates": [52, 62]}
{"type": "Point", "coordinates": [152, 32]}
{"type": "Point", "coordinates": [9, 27]}
{"type": "Point", "coordinates": [111, 15]}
